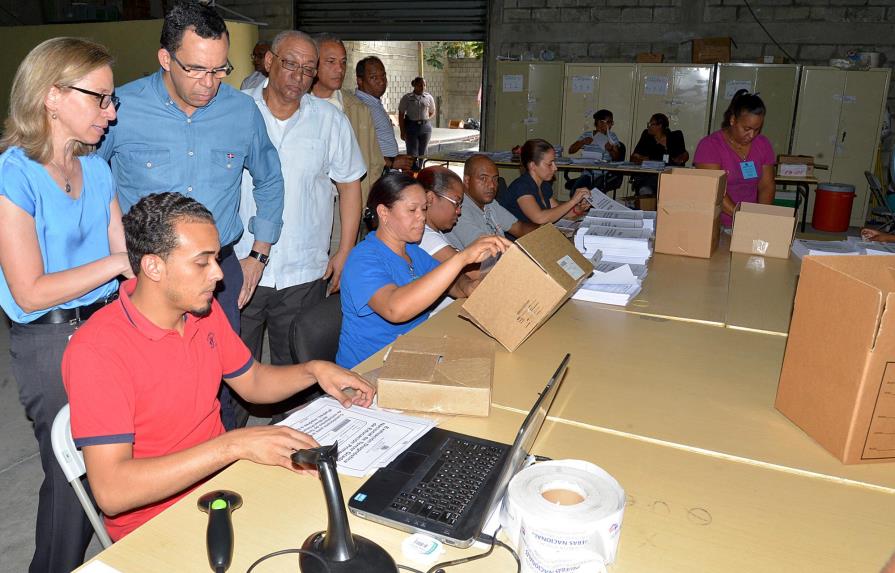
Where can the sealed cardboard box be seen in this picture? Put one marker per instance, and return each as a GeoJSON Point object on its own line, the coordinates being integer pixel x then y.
{"type": "Point", "coordinates": [765, 230]}
{"type": "Point", "coordinates": [649, 58]}
{"type": "Point", "coordinates": [688, 210]}
{"type": "Point", "coordinates": [838, 377]}
{"type": "Point", "coordinates": [795, 165]}
{"type": "Point", "coordinates": [526, 286]}
{"type": "Point", "coordinates": [444, 375]}
{"type": "Point", "coordinates": [711, 50]}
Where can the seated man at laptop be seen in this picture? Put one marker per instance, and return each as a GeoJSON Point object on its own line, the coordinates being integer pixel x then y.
{"type": "Point", "coordinates": [481, 214]}
{"type": "Point", "coordinates": [142, 375]}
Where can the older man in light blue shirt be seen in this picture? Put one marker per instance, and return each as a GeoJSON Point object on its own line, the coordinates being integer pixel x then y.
{"type": "Point", "coordinates": [181, 130]}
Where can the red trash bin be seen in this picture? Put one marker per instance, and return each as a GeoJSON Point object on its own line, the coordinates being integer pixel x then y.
{"type": "Point", "coordinates": [832, 207]}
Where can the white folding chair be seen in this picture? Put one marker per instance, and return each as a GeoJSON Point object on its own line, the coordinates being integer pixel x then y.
{"type": "Point", "coordinates": [72, 462]}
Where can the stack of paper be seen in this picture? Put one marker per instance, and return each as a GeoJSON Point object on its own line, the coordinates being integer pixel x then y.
{"type": "Point", "coordinates": [368, 438]}
{"type": "Point", "coordinates": [594, 153]}
{"type": "Point", "coordinates": [603, 202]}
{"type": "Point", "coordinates": [619, 244]}
{"type": "Point", "coordinates": [872, 247]}
{"type": "Point", "coordinates": [611, 283]}
{"type": "Point", "coordinates": [618, 218]}
{"type": "Point", "coordinates": [802, 247]}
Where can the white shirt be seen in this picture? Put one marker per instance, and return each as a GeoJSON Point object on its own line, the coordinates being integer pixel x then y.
{"type": "Point", "coordinates": [316, 145]}
{"type": "Point", "coordinates": [252, 81]}
{"type": "Point", "coordinates": [600, 141]}
{"type": "Point", "coordinates": [433, 241]}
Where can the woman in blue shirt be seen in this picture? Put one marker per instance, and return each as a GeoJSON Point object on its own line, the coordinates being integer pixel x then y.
{"type": "Point", "coordinates": [61, 249]}
{"type": "Point", "coordinates": [530, 197]}
{"type": "Point", "coordinates": [389, 283]}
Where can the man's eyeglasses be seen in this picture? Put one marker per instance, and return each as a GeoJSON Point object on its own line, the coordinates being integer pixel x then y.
{"type": "Point", "coordinates": [104, 99]}
{"type": "Point", "coordinates": [453, 202]}
{"type": "Point", "coordinates": [200, 73]}
{"type": "Point", "coordinates": [295, 66]}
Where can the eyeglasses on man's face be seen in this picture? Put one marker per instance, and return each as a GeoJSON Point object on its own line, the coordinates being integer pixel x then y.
{"type": "Point", "coordinates": [291, 66]}
{"type": "Point", "coordinates": [200, 73]}
{"type": "Point", "coordinates": [104, 99]}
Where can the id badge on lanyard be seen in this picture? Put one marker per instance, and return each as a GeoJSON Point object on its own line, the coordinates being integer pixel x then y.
{"type": "Point", "coordinates": [747, 168]}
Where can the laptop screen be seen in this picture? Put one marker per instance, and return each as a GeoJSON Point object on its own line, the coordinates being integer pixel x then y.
{"type": "Point", "coordinates": [527, 435]}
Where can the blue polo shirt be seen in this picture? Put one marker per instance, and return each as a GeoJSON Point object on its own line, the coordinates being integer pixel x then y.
{"type": "Point", "coordinates": [70, 232]}
{"type": "Point", "coordinates": [155, 147]}
{"type": "Point", "coordinates": [371, 266]}
{"type": "Point", "coordinates": [525, 185]}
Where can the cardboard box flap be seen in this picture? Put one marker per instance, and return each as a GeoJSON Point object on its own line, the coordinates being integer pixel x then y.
{"type": "Point", "coordinates": [762, 209]}
{"type": "Point", "coordinates": [795, 159]}
{"type": "Point", "coordinates": [549, 249]}
{"type": "Point", "coordinates": [401, 365]}
{"type": "Point", "coordinates": [467, 372]}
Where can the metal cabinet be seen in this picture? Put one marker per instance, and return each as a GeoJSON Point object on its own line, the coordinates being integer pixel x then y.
{"type": "Point", "coordinates": [838, 120]}
{"type": "Point", "coordinates": [680, 91]}
{"type": "Point", "coordinates": [590, 87]}
{"type": "Point", "coordinates": [528, 103]}
{"type": "Point", "coordinates": [776, 84]}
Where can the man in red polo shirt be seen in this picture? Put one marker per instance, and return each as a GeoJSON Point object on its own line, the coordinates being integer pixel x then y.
{"type": "Point", "coordinates": [142, 375]}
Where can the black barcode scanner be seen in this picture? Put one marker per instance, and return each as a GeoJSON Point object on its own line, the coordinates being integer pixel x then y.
{"type": "Point", "coordinates": [219, 505]}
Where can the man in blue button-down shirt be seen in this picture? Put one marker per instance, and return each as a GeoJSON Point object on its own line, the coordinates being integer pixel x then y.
{"type": "Point", "coordinates": [181, 130]}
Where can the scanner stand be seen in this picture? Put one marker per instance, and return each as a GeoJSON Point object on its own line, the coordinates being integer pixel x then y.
{"type": "Point", "coordinates": [342, 551]}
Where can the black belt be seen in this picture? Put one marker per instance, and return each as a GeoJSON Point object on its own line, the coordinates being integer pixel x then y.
{"type": "Point", "coordinates": [73, 315]}
{"type": "Point", "coordinates": [417, 121]}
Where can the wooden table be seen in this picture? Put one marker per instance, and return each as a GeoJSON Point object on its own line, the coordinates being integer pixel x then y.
{"type": "Point", "coordinates": [685, 513]}
{"type": "Point", "coordinates": [760, 293]}
{"type": "Point", "coordinates": [803, 190]}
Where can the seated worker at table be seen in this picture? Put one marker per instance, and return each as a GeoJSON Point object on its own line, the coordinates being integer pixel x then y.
{"type": "Point", "coordinates": [389, 283]}
{"type": "Point", "coordinates": [530, 197]}
{"type": "Point", "coordinates": [444, 199]}
{"type": "Point", "coordinates": [142, 375]}
{"type": "Point", "coordinates": [657, 143]}
{"type": "Point", "coordinates": [610, 149]}
{"type": "Point", "coordinates": [877, 236]}
{"type": "Point", "coordinates": [481, 214]}
{"type": "Point", "coordinates": [740, 149]}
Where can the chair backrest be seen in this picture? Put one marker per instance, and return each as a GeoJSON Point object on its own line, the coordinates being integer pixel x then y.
{"type": "Point", "coordinates": [876, 188]}
{"type": "Point", "coordinates": [72, 462]}
{"type": "Point", "coordinates": [314, 334]}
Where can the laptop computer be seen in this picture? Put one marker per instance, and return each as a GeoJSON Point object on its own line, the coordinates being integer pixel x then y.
{"type": "Point", "coordinates": [447, 484]}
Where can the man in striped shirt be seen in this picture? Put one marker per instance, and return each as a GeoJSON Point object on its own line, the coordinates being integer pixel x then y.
{"type": "Point", "coordinates": [371, 85]}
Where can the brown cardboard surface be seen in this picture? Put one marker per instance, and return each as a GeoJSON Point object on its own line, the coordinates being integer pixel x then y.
{"type": "Point", "coordinates": [688, 211]}
{"type": "Point", "coordinates": [442, 375]}
{"type": "Point", "coordinates": [649, 58]}
{"type": "Point", "coordinates": [836, 383]}
{"type": "Point", "coordinates": [765, 230]}
{"type": "Point", "coordinates": [711, 50]}
{"type": "Point", "coordinates": [805, 162]}
{"type": "Point", "coordinates": [526, 286]}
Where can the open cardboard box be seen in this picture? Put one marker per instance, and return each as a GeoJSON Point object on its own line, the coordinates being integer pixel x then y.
{"type": "Point", "coordinates": [526, 286]}
{"type": "Point", "coordinates": [795, 165]}
{"type": "Point", "coordinates": [442, 375]}
{"type": "Point", "coordinates": [765, 230]}
{"type": "Point", "coordinates": [688, 211]}
{"type": "Point", "coordinates": [838, 377]}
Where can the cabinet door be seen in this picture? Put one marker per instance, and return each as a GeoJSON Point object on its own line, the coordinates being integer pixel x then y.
{"type": "Point", "coordinates": [617, 95]}
{"type": "Point", "coordinates": [857, 141]}
{"type": "Point", "coordinates": [817, 116]}
{"type": "Point", "coordinates": [729, 79]}
{"type": "Point", "coordinates": [544, 119]}
{"type": "Point", "coordinates": [776, 86]}
{"type": "Point", "coordinates": [511, 105]}
{"type": "Point", "coordinates": [590, 87]}
{"type": "Point", "coordinates": [680, 92]}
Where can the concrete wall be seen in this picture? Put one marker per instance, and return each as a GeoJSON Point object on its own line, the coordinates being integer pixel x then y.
{"type": "Point", "coordinates": [812, 31]}
{"type": "Point", "coordinates": [461, 96]}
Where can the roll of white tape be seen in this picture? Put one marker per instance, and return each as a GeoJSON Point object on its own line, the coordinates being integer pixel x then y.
{"type": "Point", "coordinates": [563, 515]}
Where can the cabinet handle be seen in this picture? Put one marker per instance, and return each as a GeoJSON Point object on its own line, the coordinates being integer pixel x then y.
{"type": "Point", "coordinates": [843, 136]}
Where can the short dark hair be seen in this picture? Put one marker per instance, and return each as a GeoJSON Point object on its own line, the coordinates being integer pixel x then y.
{"type": "Point", "coordinates": [602, 114]}
{"type": "Point", "coordinates": [533, 152]}
{"type": "Point", "coordinates": [743, 102]}
{"type": "Point", "coordinates": [190, 14]}
{"type": "Point", "coordinates": [661, 120]}
{"type": "Point", "coordinates": [361, 66]}
{"type": "Point", "coordinates": [387, 190]}
{"type": "Point", "coordinates": [438, 179]}
{"type": "Point", "coordinates": [149, 225]}
{"type": "Point", "coordinates": [416, 80]}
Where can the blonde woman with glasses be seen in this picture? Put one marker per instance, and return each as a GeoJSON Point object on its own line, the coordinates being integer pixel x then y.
{"type": "Point", "coordinates": [61, 249]}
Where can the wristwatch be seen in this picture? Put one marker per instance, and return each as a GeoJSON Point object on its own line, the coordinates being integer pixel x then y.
{"type": "Point", "coordinates": [262, 258]}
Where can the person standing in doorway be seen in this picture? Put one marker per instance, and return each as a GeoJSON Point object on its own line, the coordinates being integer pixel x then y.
{"type": "Point", "coordinates": [415, 111]}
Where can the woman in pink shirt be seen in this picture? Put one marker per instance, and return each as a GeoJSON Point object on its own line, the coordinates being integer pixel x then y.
{"type": "Point", "coordinates": [740, 149]}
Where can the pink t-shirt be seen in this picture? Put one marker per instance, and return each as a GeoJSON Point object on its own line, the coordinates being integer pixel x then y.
{"type": "Point", "coordinates": [742, 178]}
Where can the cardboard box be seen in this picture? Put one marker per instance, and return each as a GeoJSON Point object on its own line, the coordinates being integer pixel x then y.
{"type": "Point", "coordinates": [711, 50]}
{"type": "Point", "coordinates": [795, 165]}
{"type": "Point", "coordinates": [838, 377]}
{"type": "Point", "coordinates": [765, 230]}
{"type": "Point", "coordinates": [526, 286]}
{"type": "Point", "coordinates": [688, 210]}
{"type": "Point", "coordinates": [770, 60]}
{"type": "Point", "coordinates": [649, 58]}
{"type": "Point", "coordinates": [444, 375]}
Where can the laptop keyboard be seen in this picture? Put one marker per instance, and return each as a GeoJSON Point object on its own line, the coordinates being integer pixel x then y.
{"type": "Point", "coordinates": [451, 484]}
